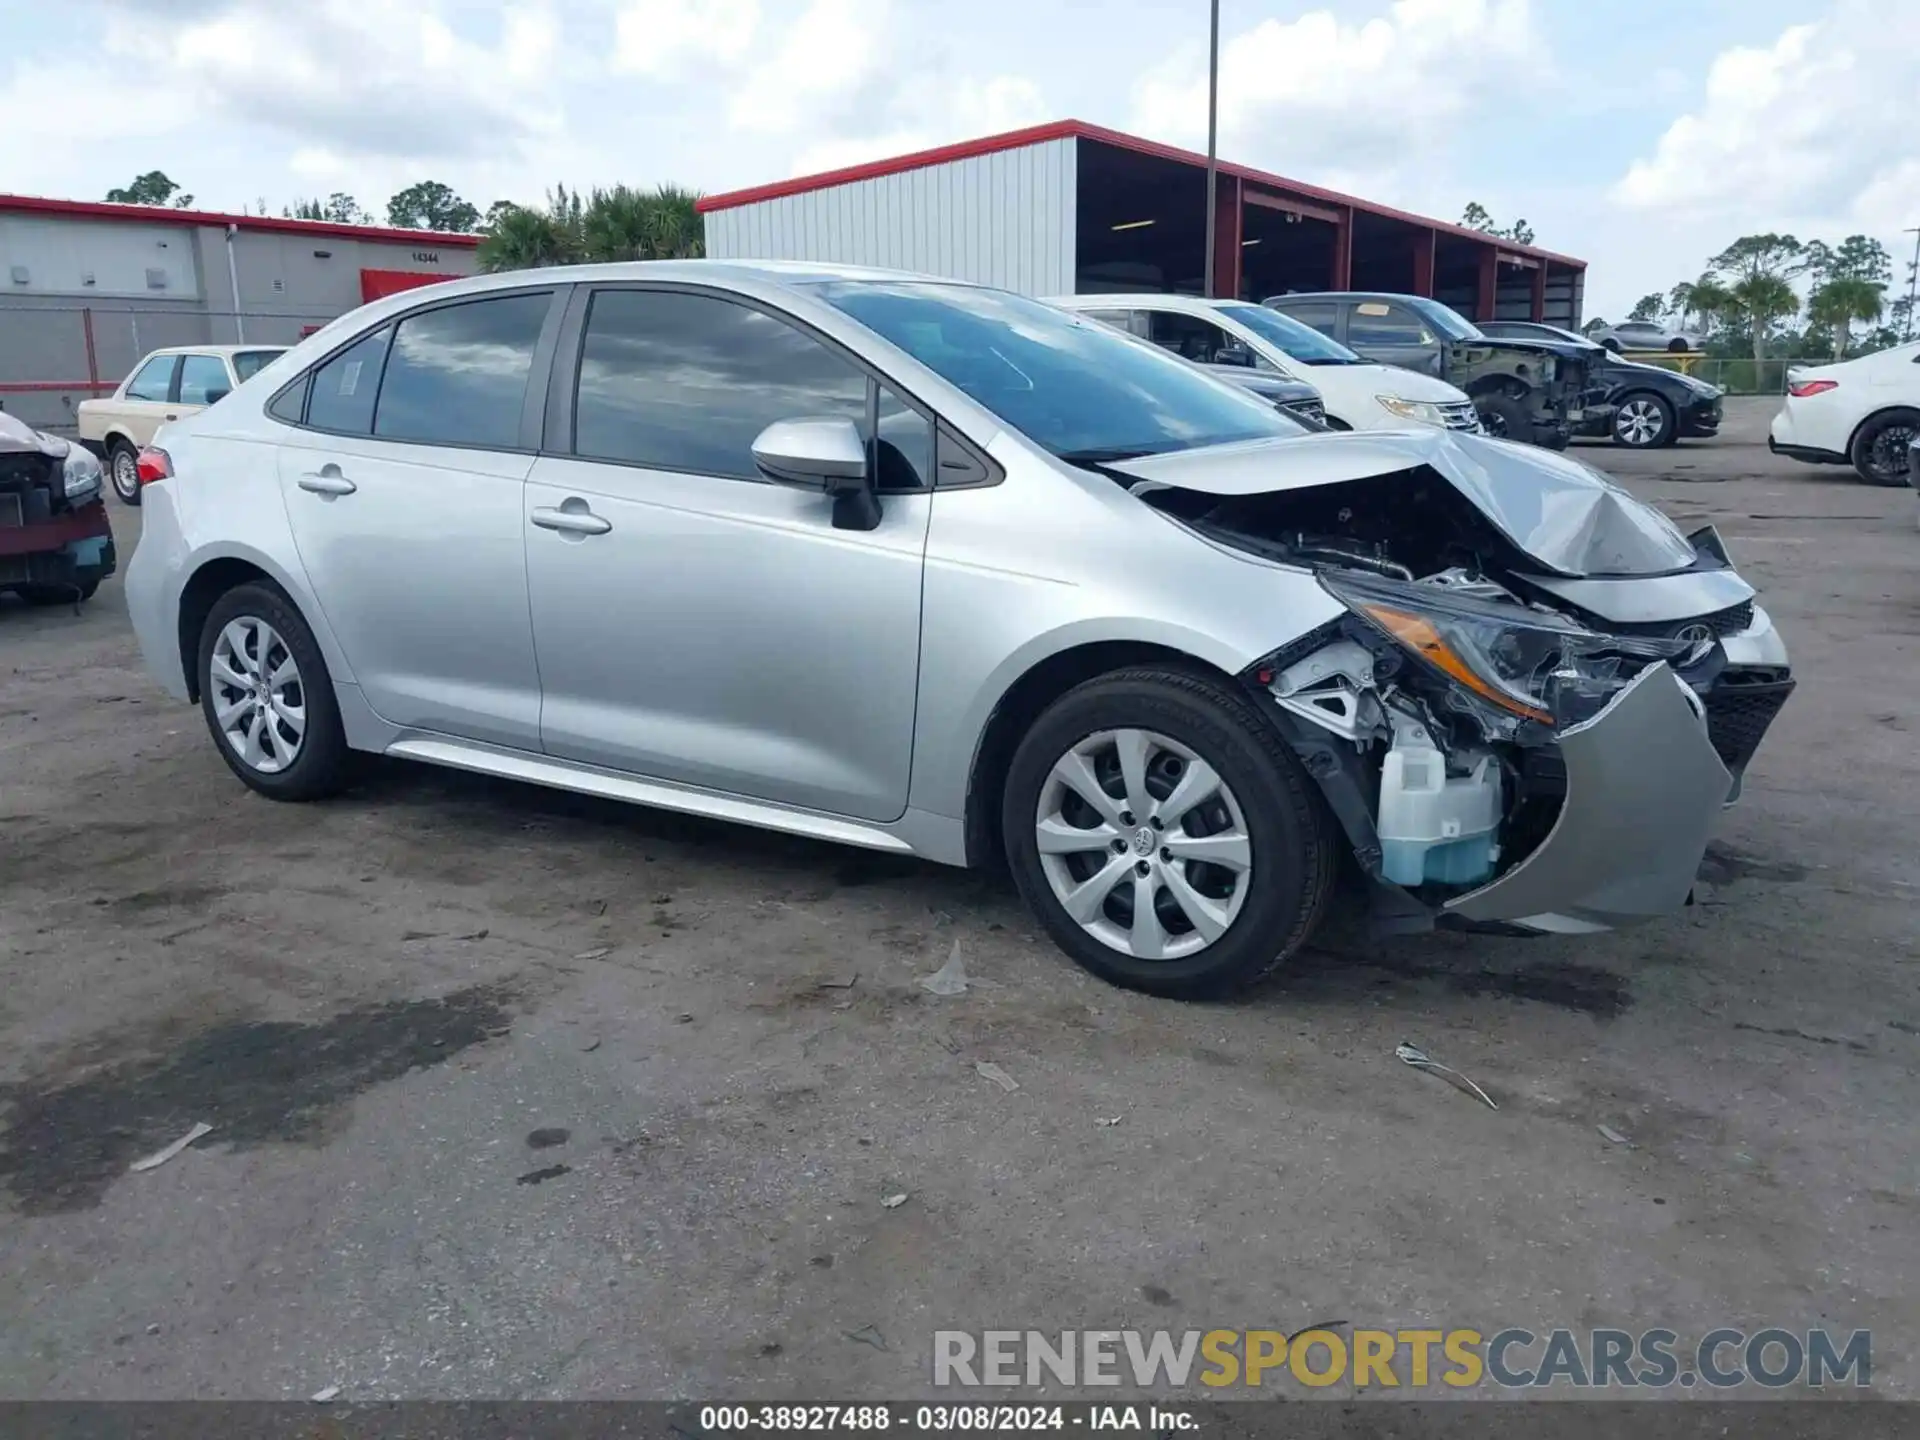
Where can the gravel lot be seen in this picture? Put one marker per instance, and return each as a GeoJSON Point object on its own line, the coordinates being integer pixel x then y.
{"type": "Point", "coordinates": [521, 1096]}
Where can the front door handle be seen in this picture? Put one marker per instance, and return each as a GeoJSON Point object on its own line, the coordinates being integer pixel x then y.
{"type": "Point", "coordinates": [327, 481]}
{"type": "Point", "coordinates": [570, 522]}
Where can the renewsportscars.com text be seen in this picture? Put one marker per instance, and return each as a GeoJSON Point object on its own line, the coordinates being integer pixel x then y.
{"type": "Point", "coordinates": [1601, 1359]}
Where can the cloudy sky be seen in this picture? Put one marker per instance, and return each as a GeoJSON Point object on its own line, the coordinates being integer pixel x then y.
{"type": "Point", "coordinates": [1638, 134]}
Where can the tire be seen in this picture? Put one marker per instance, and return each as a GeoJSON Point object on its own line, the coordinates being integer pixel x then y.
{"type": "Point", "coordinates": [1644, 421]}
{"type": "Point", "coordinates": [1610, 344]}
{"type": "Point", "coordinates": [122, 473]}
{"type": "Point", "coordinates": [308, 764]}
{"type": "Point", "coordinates": [1678, 347]}
{"type": "Point", "coordinates": [1262, 797]}
{"type": "Point", "coordinates": [1879, 451]}
{"type": "Point", "coordinates": [1504, 417]}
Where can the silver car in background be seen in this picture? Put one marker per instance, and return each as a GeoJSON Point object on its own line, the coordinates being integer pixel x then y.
{"type": "Point", "coordinates": [935, 569]}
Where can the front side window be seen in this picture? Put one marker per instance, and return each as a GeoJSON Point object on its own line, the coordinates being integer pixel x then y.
{"type": "Point", "coordinates": [1445, 319]}
{"type": "Point", "coordinates": [1299, 341]}
{"type": "Point", "coordinates": [344, 387]}
{"type": "Point", "coordinates": [900, 449]}
{"type": "Point", "coordinates": [457, 375]}
{"type": "Point", "coordinates": [1375, 322]}
{"type": "Point", "coordinates": [687, 382]}
{"type": "Point", "coordinates": [1071, 385]}
{"type": "Point", "coordinates": [155, 380]}
{"type": "Point", "coordinates": [1194, 338]}
{"type": "Point", "coordinates": [203, 379]}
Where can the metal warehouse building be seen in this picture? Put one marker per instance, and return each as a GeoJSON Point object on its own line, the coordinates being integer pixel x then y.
{"type": "Point", "coordinates": [86, 290]}
{"type": "Point", "coordinates": [1071, 208]}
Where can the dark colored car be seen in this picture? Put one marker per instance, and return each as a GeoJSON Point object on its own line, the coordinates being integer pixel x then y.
{"type": "Point", "coordinates": [1638, 405]}
{"type": "Point", "coordinates": [1293, 398]}
{"type": "Point", "coordinates": [1532, 389]}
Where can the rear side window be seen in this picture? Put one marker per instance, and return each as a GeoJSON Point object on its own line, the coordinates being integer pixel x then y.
{"type": "Point", "coordinates": [155, 380]}
{"type": "Point", "coordinates": [203, 379]}
{"type": "Point", "coordinates": [458, 375]}
{"type": "Point", "coordinates": [688, 382]}
{"type": "Point", "coordinates": [344, 387]}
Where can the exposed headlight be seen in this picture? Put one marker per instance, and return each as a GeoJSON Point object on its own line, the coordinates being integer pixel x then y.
{"type": "Point", "coordinates": [82, 472]}
{"type": "Point", "coordinates": [1514, 658]}
{"type": "Point", "coordinates": [1423, 411]}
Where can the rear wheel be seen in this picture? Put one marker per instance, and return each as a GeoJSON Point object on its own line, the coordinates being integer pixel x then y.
{"type": "Point", "coordinates": [1677, 346]}
{"type": "Point", "coordinates": [268, 698]}
{"type": "Point", "coordinates": [1610, 344]}
{"type": "Point", "coordinates": [1879, 452]}
{"type": "Point", "coordinates": [1643, 422]}
{"type": "Point", "coordinates": [123, 469]}
{"type": "Point", "coordinates": [1165, 835]}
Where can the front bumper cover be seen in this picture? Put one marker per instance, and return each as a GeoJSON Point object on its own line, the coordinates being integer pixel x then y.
{"type": "Point", "coordinates": [1645, 787]}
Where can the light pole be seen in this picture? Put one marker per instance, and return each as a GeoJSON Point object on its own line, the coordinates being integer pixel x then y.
{"type": "Point", "coordinates": [1913, 279]}
{"type": "Point", "coordinates": [1213, 133]}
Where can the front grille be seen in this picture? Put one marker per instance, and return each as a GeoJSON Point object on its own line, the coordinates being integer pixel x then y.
{"type": "Point", "coordinates": [1731, 621]}
{"type": "Point", "coordinates": [1307, 410]}
{"type": "Point", "coordinates": [1460, 415]}
{"type": "Point", "coordinates": [1738, 715]}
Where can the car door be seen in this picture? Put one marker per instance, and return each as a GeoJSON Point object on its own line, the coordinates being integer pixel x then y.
{"type": "Point", "coordinates": [148, 400]}
{"type": "Point", "coordinates": [1394, 334]}
{"type": "Point", "coordinates": [404, 480]}
{"type": "Point", "coordinates": [694, 622]}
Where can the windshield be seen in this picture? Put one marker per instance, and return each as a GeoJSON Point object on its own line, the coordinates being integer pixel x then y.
{"type": "Point", "coordinates": [1074, 386]}
{"type": "Point", "coordinates": [1450, 323]}
{"type": "Point", "coordinates": [249, 363]}
{"type": "Point", "coordinates": [1302, 342]}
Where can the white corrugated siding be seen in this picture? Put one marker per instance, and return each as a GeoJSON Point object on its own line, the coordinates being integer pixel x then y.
{"type": "Point", "coordinates": [1002, 219]}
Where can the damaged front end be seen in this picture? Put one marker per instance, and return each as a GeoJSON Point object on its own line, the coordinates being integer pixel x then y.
{"type": "Point", "coordinates": [56, 542]}
{"type": "Point", "coordinates": [1541, 695]}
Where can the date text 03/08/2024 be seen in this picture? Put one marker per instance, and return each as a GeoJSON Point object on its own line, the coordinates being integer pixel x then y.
{"type": "Point", "coordinates": [723, 1419]}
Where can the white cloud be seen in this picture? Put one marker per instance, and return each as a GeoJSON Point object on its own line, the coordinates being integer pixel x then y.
{"type": "Point", "coordinates": [965, 110]}
{"type": "Point", "coordinates": [1812, 133]}
{"type": "Point", "coordinates": [659, 37]}
{"type": "Point", "coordinates": [830, 50]}
{"type": "Point", "coordinates": [1361, 95]}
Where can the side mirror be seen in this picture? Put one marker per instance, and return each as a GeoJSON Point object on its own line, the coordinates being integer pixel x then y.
{"type": "Point", "coordinates": [825, 456]}
{"type": "Point", "coordinates": [1235, 356]}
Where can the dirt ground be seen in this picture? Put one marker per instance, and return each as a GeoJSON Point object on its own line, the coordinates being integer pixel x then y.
{"type": "Point", "coordinates": [516, 1095]}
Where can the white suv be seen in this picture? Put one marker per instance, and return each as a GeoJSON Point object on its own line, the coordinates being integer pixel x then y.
{"type": "Point", "coordinates": [1359, 394]}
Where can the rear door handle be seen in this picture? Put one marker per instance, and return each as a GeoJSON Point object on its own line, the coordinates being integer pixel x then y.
{"type": "Point", "coordinates": [327, 481]}
{"type": "Point", "coordinates": [570, 522]}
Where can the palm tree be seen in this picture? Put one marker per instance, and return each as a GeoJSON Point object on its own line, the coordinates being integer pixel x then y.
{"type": "Point", "coordinates": [523, 239]}
{"type": "Point", "coordinates": [1763, 299]}
{"type": "Point", "coordinates": [657, 224]}
{"type": "Point", "coordinates": [1840, 303]}
{"type": "Point", "coordinates": [677, 232]}
{"type": "Point", "coordinates": [1705, 298]}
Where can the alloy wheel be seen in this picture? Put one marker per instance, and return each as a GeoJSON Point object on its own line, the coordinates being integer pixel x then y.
{"type": "Point", "coordinates": [1887, 456]}
{"type": "Point", "coordinates": [126, 474]}
{"type": "Point", "coordinates": [1639, 422]}
{"type": "Point", "coordinates": [259, 701]}
{"type": "Point", "coordinates": [1144, 845]}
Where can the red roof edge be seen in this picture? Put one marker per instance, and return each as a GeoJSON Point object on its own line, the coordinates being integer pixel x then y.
{"type": "Point", "coordinates": [162, 215]}
{"type": "Point", "coordinates": [1081, 130]}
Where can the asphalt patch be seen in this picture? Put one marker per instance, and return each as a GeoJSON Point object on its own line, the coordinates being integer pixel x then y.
{"type": "Point", "coordinates": [256, 1082]}
{"type": "Point", "coordinates": [1723, 865]}
{"type": "Point", "coordinates": [1586, 989]}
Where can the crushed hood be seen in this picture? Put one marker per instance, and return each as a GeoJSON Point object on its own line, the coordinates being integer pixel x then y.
{"type": "Point", "coordinates": [1563, 514]}
{"type": "Point", "coordinates": [18, 438]}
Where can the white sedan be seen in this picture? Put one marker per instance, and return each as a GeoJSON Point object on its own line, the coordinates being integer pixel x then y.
{"type": "Point", "coordinates": [1862, 413]}
{"type": "Point", "coordinates": [1229, 335]}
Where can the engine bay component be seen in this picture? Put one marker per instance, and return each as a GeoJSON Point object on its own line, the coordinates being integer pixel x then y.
{"type": "Point", "coordinates": [1435, 827]}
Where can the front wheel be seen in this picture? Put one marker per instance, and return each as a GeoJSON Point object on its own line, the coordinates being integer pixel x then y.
{"type": "Point", "coordinates": [268, 698]}
{"type": "Point", "coordinates": [1503, 417]}
{"type": "Point", "coordinates": [1165, 835]}
{"type": "Point", "coordinates": [123, 470]}
{"type": "Point", "coordinates": [1879, 452]}
{"type": "Point", "coordinates": [1643, 422]}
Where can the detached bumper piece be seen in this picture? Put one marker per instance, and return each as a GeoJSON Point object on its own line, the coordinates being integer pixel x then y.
{"type": "Point", "coordinates": [1645, 787]}
{"type": "Point", "coordinates": [1740, 708]}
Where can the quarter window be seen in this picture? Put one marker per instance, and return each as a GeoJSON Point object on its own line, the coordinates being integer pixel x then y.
{"type": "Point", "coordinates": [155, 379]}
{"type": "Point", "coordinates": [344, 387]}
{"type": "Point", "coordinates": [202, 379]}
{"type": "Point", "coordinates": [458, 375]}
{"type": "Point", "coordinates": [687, 382]}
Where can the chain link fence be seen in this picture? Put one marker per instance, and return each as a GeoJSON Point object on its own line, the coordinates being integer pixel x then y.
{"type": "Point", "coordinates": [52, 357]}
{"type": "Point", "coordinates": [1736, 377]}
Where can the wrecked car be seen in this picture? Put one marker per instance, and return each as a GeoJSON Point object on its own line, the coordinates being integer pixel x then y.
{"type": "Point", "coordinates": [56, 544]}
{"type": "Point", "coordinates": [935, 569]}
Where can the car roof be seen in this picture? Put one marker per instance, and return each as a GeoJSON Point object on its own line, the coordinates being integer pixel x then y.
{"type": "Point", "coordinates": [785, 273]}
{"type": "Point", "coordinates": [1147, 297]}
{"type": "Point", "coordinates": [220, 349]}
{"type": "Point", "coordinates": [1344, 295]}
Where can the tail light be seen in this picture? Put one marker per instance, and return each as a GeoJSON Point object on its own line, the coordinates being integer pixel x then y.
{"type": "Point", "coordinates": [154, 464]}
{"type": "Point", "coordinates": [1800, 389]}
